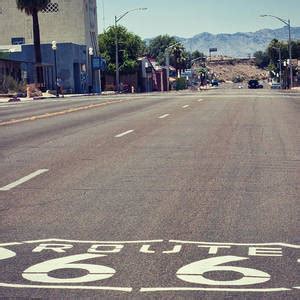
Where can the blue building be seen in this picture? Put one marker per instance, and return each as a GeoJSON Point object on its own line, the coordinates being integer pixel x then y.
{"type": "Point", "coordinates": [71, 66]}
{"type": "Point", "coordinates": [72, 25]}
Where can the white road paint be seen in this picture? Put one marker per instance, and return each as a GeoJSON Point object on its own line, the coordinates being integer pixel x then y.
{"type": "Point", "coordinates": [200, 100]}
{"type": "Point", "coordinates": [67, 287]}
{"type": "Point", "coordinates": [194, 272]}
{"type": "Point", "coordinates": [41, 272]}
{"type": "Point", "coordinates": [236, 244]}
{"type": "Point", "coordinates": [185, 106]}
{"type": "Point", "coordinates": [182, 289]}
{"type": "Point", "coordinates": [124, 133]}
{"type": "Point", "coordinates": [90, 242]}
{"type": "Point", "coordinates": [5, 254]}
{"type": "Point", "coordinates": [23, 180]}
{"type": "Point", "coordinates": [10, 244]}
{"type": "Point", "coordinates": [164, 116]}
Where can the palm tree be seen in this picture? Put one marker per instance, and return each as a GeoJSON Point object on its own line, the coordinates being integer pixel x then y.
{"type": "Point", "coordinates": [179, 58]}
{"type": "Point", "coordinates": [32, 8]}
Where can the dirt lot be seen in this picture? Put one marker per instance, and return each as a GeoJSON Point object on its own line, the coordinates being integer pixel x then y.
{"type": "Point", "coordinates": [229, 71]}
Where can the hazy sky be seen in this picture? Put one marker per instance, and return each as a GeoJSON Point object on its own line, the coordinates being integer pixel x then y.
{"type": "Point", "coordinates": [189, 17]}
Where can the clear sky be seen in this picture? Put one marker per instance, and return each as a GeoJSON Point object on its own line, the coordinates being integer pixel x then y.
{"type": "Point", "coordinates": [186, 18]}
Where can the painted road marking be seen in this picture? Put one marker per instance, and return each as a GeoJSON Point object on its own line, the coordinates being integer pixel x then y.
{"type": "Point", "coordinates": [236, 244]}
{"type": "Point", "coordinates": [218, 258]}
{"type": "Point", "coordinates": [58, 113]}
{"type": "Point", "coordinates": [186, 106]}
{"type": "Point", "coordinates": [124, 133]}
{"type": "Point", "coordinates": [163, 116]}
{"type": "Point", "coordinates": [200, 100]}
{"type": "Point", "coordinates": [80, 287]}
{"type": "Point", "coordinates": [87, 242]}
{"type": "Point", "coordinates": [178, 289]}
{"type": "Point", "coordinates": [23, 180]}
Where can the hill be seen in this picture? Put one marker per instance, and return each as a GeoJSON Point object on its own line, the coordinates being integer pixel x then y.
{"type": "Point", "coordinates": [239, 44]}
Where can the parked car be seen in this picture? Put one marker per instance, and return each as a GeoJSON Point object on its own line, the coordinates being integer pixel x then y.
{"type": "Point", "coordinates": [254, 84]}
{"type": "Point", "coordinates": [215, 82]}
{"type": "Point", "coordinates": [276, 85]}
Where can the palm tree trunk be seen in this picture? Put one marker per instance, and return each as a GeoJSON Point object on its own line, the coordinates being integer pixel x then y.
{"type": "Point", "coordinates": [37, 46]}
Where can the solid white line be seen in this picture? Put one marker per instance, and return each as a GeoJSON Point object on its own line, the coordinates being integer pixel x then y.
{"type": "Point", "coordinates": [186, 106]}
{"type": "Point", "coordinates": [94, 242]}
{"type": "Point", "coordinates": [107, 288]}
{"type": "Point", "coordinates": [159, 289]}
{"type": "Point", "coordinates": [237, 244]}
{"type": "Point", "coordinates": [10, 244]}
{"type": "Point", "coordinates": [124, 133]}
{"type": "Point", "coordinates": [22, 180]}
{"type": "Point", "coordinates": [163, 116]}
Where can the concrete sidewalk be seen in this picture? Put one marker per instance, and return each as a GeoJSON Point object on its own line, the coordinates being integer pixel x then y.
{"type": "Point", "coordinates": [50, 96]}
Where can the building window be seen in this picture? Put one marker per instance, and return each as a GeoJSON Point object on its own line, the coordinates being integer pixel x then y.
{"type": "Point", "coordinates": [52, 7]}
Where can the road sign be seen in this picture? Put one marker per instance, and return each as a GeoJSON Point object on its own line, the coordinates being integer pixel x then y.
{"type": "Point", "coordinates": [213, 49]}
{"type": "Point", "coordinates": [99, 63]}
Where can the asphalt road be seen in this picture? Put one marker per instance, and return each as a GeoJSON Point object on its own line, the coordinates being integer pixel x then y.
{"type": "Point", "coordinates": [175, 196]}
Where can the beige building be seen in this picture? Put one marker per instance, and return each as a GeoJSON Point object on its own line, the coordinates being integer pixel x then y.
{"type": "Point", "coordinates": [65, 21]}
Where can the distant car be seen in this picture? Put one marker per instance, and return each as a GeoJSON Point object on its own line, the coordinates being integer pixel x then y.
{"type": "Point", "coordinates": [254, 84]}
{"type": "Point", "coordinates": [215, 82]}
{"type": "Point", "coordinates": [276, 85]}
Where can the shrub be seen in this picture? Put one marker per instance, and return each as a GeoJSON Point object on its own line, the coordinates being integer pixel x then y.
{"type": "Point", "coordinates": [181, 84]}
{"type": "Point", "coordinates": [9, 84]}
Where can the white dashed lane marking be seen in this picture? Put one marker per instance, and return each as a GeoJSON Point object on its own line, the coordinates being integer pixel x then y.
{"type": "Point", "coordinates": [164, 116]}
{"type": "Point", "coordinates": [185, 106]}
{"type": "Point", "coordinates": [124, 133]}
{"type": "Point", "coordinates": [23, 180]}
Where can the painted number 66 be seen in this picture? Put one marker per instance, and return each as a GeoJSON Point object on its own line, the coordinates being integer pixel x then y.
{"type": "Point", "coordinates": [40, 272]}
{"type": "Point", "coordinates": [194, 272]}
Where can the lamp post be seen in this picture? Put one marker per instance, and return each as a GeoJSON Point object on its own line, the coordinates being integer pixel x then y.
{"type": "Point", "coordinates": [54, 48]}
{"type": "Point", "coordinates": [280, 65]}
{"type": "Point", "coordinates": [167, 53]}
{"type": "Point", "coordinates": [117, 19]}
{"type": "Point", "coordinates": [91, 54]}
{"type": "Point", "coordinates": [288, 23]}
{"type": "Point", "coordinates": [192, 63]}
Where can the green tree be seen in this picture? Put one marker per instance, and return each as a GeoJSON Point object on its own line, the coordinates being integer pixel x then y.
{"type": "Point", "coordinates": [273, 52]}
{"type": "Point", "coordinates": [262, 59]}
{"type": "Point", "coordinates": [296, 49]}
{"type": "Point", "coordinates": [192, 56]}
{"type": "Point", "coordinates": [32, 8]}
{"type": "Point", "coordinates": [179, 57]}
{"type": "Point", "coordinates": [158, 46]}
{"type": "Point", "coordinates": [197, 54]}
{"type": "Point", "coordinates": [131, 47]}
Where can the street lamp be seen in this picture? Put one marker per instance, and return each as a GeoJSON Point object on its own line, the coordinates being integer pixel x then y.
{"type": "Point", "coordinates": [54, 48]}
{"type": "Point", "coordinates": [280, 65]}
{"type": "Point", "coordinates": [192, 63]}
{"type": "Point", "coordinates": [288, 23]}
{"type": "Point", "coordinates": [167, 53]}
{"type": "Point", "coordinates": [117, 19]}
{"type": "Point", "coordinates": [91, 54]}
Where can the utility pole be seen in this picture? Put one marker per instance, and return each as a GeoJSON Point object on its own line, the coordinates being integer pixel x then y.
{"type": "Point", "coordinates": [280, 65]}
{"type": "Point", "coordinates": [167, 54]}
{"type": "Point", "coordinates": [117, 57]}
{"type": "Point", "coordinates": [288, 23]}
{"type": "Point", "coordinates": [117, 19]}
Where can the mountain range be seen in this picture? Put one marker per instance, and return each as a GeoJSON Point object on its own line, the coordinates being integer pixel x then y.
{"type": "Point", "coordinates": [240, 44]}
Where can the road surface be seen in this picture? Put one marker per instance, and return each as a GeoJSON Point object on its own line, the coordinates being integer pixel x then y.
{"type": "Point", "coordinates": [161, 196]}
